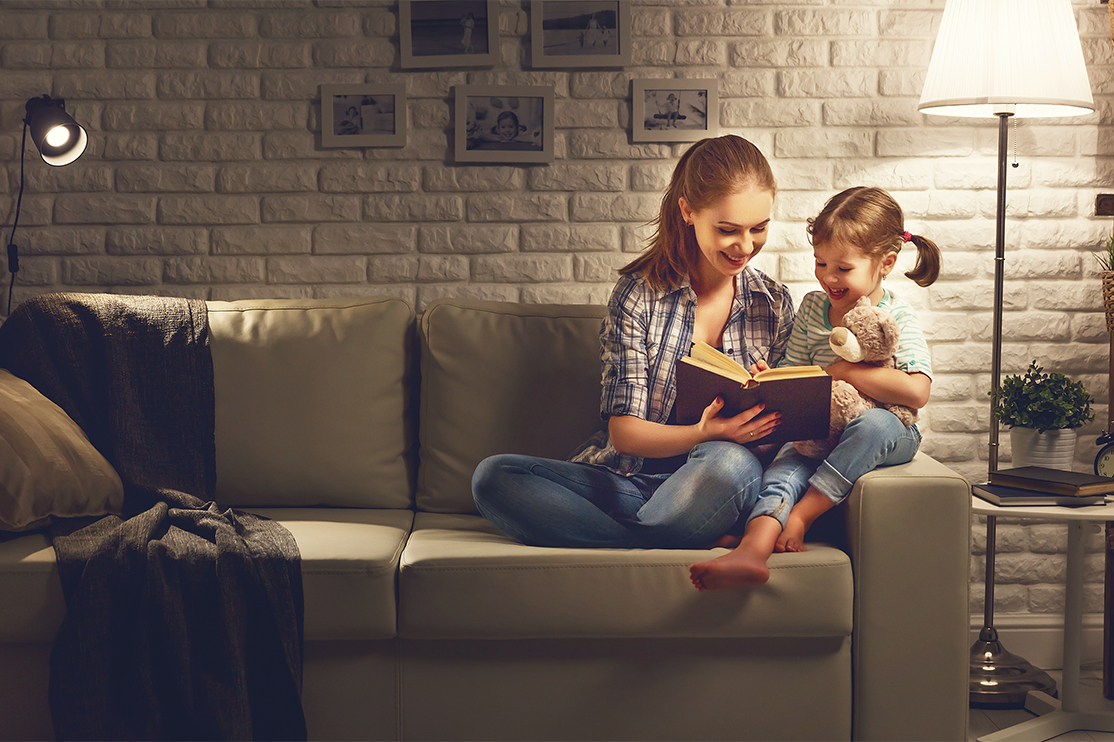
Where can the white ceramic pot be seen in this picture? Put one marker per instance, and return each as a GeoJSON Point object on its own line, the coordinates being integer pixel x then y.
{"type": "Point", "coordinates": [1054, 449]}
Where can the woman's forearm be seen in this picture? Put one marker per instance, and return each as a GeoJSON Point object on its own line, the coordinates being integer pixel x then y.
{"type": "Point", "coordinates": [634, 436]}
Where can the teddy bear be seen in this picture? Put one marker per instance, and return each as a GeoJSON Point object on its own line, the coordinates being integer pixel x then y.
{"type": "Point", "coordinates": [867, 334]}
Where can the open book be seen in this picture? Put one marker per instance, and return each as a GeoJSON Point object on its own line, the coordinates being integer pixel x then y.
{"type": "Point", "coordinates": [802, 394]}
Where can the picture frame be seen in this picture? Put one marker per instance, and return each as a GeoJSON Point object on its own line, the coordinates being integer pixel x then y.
{"type": "Point", "coordinates": [448, 33]}
{"type": "Point", "coordinates": [503, 123]}
{"type": "Point", "coordinates": [580, 33]}
{"type": "Point", "coordinates": [363, 115]}
{"type": "Point", "coordinates": [674, 110]}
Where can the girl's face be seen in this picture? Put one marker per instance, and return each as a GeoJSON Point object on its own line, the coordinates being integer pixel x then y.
{"type": "Point", "coordinates": [507, 129]}
{"type": "Point", "coordinates": [730, 231]}
{"type": "Point", "coordinates": [847, 274]}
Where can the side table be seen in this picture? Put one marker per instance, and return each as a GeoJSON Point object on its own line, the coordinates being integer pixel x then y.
{"type": "Point", "coordinates": [1056, 717]}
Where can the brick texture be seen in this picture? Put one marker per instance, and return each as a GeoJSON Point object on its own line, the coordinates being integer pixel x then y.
{"type": "Point", "coordinates": [205, 177]}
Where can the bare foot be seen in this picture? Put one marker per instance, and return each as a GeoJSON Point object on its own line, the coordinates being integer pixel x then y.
{"type": "Point", "coordinates": [792, 537]}
{"type": "Point", "coordinates": [738, 568]}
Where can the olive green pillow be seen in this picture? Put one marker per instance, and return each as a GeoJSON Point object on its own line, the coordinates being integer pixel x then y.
{"type": "Point", "coordinates": [48, 467]}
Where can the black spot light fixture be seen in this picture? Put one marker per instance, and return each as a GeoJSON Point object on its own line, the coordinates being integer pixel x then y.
{"type": "Point", "coordinates": [60, 140]}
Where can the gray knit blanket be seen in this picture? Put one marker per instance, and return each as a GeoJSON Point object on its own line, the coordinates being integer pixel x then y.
{"type": "Point", "coordinates": [183, 619]}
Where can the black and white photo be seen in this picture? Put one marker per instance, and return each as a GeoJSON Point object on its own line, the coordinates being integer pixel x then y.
{"type": "Point", "coordinates": [674, 110]}
{"type": "Point", "coordinates": [580, 33]}
{"type": "Point", "coordinates": [504, 123]}
{"type": "Point", "coordinates": [448, 33]}
{"type": "Point", "coordinates": [363, 115]}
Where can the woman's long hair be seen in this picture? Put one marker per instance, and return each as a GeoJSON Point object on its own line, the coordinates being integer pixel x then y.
{"type": "Point", "coordinates": [707, 171]}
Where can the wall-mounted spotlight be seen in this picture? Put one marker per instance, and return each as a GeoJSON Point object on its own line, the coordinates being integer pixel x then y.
{"type": "Point", "coordinates": [60, 140]}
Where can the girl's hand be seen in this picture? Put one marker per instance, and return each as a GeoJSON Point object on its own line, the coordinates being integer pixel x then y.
{"type": "Point", "coordinates": [758, 366]}
{"type": "Point", "coordinates": [746, 427]}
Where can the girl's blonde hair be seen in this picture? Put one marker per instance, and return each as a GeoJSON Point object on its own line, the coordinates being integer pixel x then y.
{"type": "Point", "coordinates": [870, 220]}
{"type": "Point", "coordinates": [707, 171]}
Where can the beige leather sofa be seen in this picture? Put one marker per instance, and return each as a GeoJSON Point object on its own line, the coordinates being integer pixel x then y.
{"type": "Point", "coordinates": [358, 425]}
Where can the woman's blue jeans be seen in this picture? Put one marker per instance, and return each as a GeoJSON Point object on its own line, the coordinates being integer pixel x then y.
{"type": "Point", "coordinates": [874, 438]}
{"type": "Point", "coordinates": [542, 502]}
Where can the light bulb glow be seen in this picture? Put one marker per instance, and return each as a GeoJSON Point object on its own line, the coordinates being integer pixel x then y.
{"type": "Point", "coordinates": [58, 136]}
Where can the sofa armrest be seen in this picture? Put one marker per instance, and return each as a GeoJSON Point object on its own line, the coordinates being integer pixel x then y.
{"type": "Point", "coordinates": [909, 530]}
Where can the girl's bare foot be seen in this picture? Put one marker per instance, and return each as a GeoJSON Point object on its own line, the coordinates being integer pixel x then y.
{"type": "Point", "coordinates": [792, 537]}
{"type": "Point", "coordinates": [738, 568]}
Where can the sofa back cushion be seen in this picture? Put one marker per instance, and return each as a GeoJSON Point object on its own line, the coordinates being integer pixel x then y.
{"type": "Point", "coordinates": [313, 402]}
{"type": "Point", "coordinates": [501, 378]}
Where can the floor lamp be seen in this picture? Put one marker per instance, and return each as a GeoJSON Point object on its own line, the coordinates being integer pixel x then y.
{"type": "Point", "coordinates": [1003, 59]}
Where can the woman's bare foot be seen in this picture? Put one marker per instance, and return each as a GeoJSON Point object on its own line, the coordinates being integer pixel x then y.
{"type": "Point", "coordinates": [738, 568]}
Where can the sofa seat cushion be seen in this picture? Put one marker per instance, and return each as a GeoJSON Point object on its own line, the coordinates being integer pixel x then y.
{"type": "Point", "coordinates": [350, 562]}
{"type": "Point", "coordinates": [350, 559]}
{"type": "Point", "coordinates": [460, 578]}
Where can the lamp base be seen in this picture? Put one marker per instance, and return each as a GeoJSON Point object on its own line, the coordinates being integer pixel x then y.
{"type": "Point", "coordinates": [1001, 679]}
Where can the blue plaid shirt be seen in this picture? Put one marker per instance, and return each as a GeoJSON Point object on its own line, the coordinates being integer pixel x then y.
{"type": "Point", "coordinates": [645, 332]}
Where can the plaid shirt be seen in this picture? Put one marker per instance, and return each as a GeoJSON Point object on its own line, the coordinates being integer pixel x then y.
{"type": "Point", "coordinates": [645, 332]}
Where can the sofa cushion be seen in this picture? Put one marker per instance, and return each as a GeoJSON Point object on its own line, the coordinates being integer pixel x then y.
{"type": "Point", "coordinates": [313, 402]}
{"type": "Point", "coordinates": [48, 467]}
{"type": "Point", "coordinates": [501, 378]}
{"type": "Point", "coordinates": [461, 578]}
{"type": "Point", "coordinates": [350, 561]}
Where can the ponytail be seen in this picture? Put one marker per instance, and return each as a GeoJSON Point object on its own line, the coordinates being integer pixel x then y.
{"type": "Point", "coordinates": [927, 269]}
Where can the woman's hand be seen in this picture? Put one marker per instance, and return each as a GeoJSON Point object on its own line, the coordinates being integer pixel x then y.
{"type": "Point", "coordinates": [757, 366]}
{"type": "Point", "coordinates": [746, 427]}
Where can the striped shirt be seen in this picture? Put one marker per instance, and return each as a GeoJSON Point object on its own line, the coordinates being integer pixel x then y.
{"type": "Point", "coordinates": [809, 342]}
{"type": "Point", "coordinates": [646, 331]}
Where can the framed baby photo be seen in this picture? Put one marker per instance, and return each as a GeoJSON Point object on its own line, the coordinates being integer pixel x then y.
{"type": "Point", "coordinates": [359, 115]}
{"type": "Point", "coordinates": [503, 123]}
{"type": "Point", "coordinates": [674, 110]}
{"type": "Point", "coordinates": [580, 33]}
{"type": "Point", "coordinates": [448, 33]}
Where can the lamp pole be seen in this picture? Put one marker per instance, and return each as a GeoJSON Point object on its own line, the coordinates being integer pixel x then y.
{"type": "Point", "coordinates": [999, 679]}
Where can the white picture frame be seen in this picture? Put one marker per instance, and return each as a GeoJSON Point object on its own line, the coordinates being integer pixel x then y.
{"type": "Point", "coordinates": [503, 123]}
{"type": "Point", "coordinates": [448, 33]}
{"type": "Point", "coordinates": [674, 110]}
{"type": "Point", "coordinates": [580, 33]}
{"type": "Point", "coordinates": [363, 115]}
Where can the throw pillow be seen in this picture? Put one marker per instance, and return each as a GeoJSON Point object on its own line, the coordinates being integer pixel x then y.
{"type": "Point", "coordinates": [48, 467]}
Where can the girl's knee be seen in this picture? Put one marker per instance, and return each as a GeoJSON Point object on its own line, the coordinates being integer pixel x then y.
{"type": "Point", "coordinates": [877, 419]}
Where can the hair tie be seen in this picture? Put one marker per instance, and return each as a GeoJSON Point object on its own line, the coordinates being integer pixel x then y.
{"type": "Point", "coordinates": [907, 236]}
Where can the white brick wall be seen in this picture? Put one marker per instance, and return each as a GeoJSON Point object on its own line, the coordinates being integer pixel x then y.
{"type": "Point", "coordinates": [205, 178]}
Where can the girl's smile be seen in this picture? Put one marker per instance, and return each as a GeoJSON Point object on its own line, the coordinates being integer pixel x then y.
{"type": "Point", "coordinates": [847, 274]}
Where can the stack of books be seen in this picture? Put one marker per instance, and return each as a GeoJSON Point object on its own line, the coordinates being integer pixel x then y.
{"type": "Point", "coordinates": [1037, 485]}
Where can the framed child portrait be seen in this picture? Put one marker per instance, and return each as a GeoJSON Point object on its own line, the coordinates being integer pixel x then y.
{"type": "Point", "coordinates": [448, 33]}
{"type": "Point", "coordinates": [363, 115]}
{"type": "Point", "coordinates": [674, 110]}
{"type": "Point", "coordinates": [503, 123]}
{"type": "Point", "coordinates": [580, 33]}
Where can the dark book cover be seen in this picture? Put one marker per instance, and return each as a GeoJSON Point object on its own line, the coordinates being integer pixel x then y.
{"type": "Point", "coordinates": [804, 402]}
{"type": "Point", "coordinates": [1054, 481]}
{"type": "Point", "coordinates": [1006, 496]}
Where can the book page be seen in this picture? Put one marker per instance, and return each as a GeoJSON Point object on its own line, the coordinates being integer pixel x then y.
{"type": "Point", "coordinates": [788, 372]}
{"type": "Point", "coordinates": [713, 360]}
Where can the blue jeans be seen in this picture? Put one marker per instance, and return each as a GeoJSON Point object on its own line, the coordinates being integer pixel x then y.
{"type": "Point", "coordinates": [542, 502]}
{"type": "Point", "coordinates": [875, 438]}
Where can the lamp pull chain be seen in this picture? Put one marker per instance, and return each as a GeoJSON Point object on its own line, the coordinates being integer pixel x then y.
{"type": "Point", "coordinates": [1015, 162]}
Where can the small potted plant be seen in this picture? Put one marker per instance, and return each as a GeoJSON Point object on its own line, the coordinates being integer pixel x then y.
{"type": "Point", "coordinates": [1042, 411]}
{"type": "Point", "coordinates": [1106, 263]}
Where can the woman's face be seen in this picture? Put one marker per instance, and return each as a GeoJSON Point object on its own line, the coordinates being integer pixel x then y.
{"type": "Point", "coordinates": [731, 230]}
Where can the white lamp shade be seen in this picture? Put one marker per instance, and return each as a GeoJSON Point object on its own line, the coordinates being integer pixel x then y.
{"type": "Point", "coordinates": [1021, 57]}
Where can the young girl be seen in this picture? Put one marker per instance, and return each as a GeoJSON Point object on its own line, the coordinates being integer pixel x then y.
{"type": "Point", "coordinates": [855, 239]}
{"type": "Point", "coordinates": [646, 481]}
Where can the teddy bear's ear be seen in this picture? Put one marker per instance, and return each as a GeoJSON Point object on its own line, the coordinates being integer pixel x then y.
{"type": "Point", "coordinates": [863, 302]}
